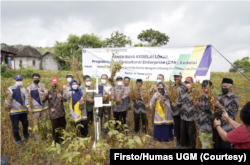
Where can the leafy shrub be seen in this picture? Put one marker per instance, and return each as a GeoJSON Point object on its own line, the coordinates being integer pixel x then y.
{"type": "Point", "coordinates": [3, 68]}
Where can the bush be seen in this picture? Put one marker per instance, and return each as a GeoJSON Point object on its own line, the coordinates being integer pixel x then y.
{"type": "Point", "coordinates": [9, 74]}
{"type": "Point", "coordinates": [3, 68]}
{"type": "Point", "coordinates": [27, 72]}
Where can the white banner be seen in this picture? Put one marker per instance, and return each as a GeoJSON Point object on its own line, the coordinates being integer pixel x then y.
{"type": "Point", "coordinates": [141, 62]}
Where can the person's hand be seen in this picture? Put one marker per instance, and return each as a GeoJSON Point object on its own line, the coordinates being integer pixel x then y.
{"type": "Point", "coordinates": [217, 104]}
{"type": "Point", "coordinates": [91, 100]}
{"type": "Point", "coordinates": [174, 104]}
{"type": "Point", "coordinates": [147, 105]}
{"type": "Point", "coordinates": [196, 103]}
{"type": "Point", "coordinates": [64, 87]}
{"type": "Point", "coordinates": [59, 96]}
{"type": "Point", "coordinates": [138, 97]}
{"type": "Point", "coordinates": [41, 89]}
{"type": "Point", "coordinates": [45, 92]}
{"type": "Point", "coordinates": [196, 125]}
{"type": "Point", "coordinates": [195, 118]}
{"type": "Point", "coordinates": [29, 109]}
{"type": "Point", "coordinates": [225, 115]}
{"type": "Point", "coordinates": [217, 122]}
{"type": "Point", "coordinates": [7, 102]}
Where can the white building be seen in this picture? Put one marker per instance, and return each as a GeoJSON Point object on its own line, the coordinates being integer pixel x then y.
{"type": "Point", "coordinates": [48, 63]}
{"type": "Point", "coordinates": [28, 56]}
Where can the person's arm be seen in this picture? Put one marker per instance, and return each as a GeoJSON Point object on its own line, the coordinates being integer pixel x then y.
{"type": "Point", "coordinates": [79, 80]}
{"type": "Point", "coordinates": [45, 96]}
{"type": "Point", "coordinates": [233, 123]}
{"type": "Point", "coordinates": [67, 95]}
{"type": "Point", "coordinates": [220, 131]}
{"type": "Point", "coordinates": [10, 97]}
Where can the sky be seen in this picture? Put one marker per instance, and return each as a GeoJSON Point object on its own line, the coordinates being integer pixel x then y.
{"type": "Point", "coordinates": [225, 25]}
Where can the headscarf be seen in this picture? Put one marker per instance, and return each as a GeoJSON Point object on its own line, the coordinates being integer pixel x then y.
{"type": "Point", "coordinates": [163, 91]}
{"type": "Point", "coordinates": [76, 95]}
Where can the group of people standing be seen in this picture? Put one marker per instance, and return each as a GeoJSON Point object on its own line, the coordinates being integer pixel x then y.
{"type": "Point", "coordinates": [181, 119]}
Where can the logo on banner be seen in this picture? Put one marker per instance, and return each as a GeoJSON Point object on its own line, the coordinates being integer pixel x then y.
{"type": "Point", "coordinates": [84, 51]}
{"type": "Point", "coordinates": [107, 50]}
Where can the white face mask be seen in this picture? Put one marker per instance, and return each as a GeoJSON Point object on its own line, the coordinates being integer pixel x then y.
{"type": "Point", "coordinates": [158, 81]}
{"type": "Point", "coordinates": [119, 83]}
{"type": "Point", "coordinates": [19, 83]}
{"type": "Point", "coordinates": [103, 81]}
{"type": "Point", "coordinates": [88, 83]}
{"type": "Point", "coordinates": [69, 79]}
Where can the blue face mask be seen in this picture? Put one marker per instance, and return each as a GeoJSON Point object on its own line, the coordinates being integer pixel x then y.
{"type": "Point", "coordinates": [19, 83]}
{"type": "Point", "coordinates": [69, 79]}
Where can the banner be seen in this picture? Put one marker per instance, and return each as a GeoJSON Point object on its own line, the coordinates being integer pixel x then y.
{"type": "Point", "coordinates": [141, 62]}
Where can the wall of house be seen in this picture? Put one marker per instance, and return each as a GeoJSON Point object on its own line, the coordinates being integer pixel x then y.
{"type": "Point", "coordinates": [48, 63]}
{"type": "Point", "coordinates": [27, 61]}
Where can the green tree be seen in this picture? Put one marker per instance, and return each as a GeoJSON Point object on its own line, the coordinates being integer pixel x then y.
{"type": "Point", "coordinates": [73, 46]}
{"type": "Point", "coordinates": [90, 41]}
{"type": "Point", "coordinates": [243, 65]}
{"type": "Point", "coordinates": [153, 37]}
{"type": "Point", "coordinates": [117, 40]}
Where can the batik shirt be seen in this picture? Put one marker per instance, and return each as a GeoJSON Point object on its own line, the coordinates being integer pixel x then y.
{"type": "Point", "coordinates": [231, 104]}
{"type": "Point", "coordinates": [122, 106]}
{"type": "Point", "coordinates": [188, 111]}
{"type": "Point", "coordinates": [139, 106]}
{"type": "Point", "coordinates": [204, 115]}
{"type": "Point", "coordinates": [183, 89]}
{"type": "Point", "coordinates": [56, 108]}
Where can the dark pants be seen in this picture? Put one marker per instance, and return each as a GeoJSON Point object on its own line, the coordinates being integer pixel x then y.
{"type": "Point", "coordinates": [177, 128]}
{"type": "Point", "coordinates": [137, 122]}
{"type": "Point", "coordinates": [15, 121]}
{"type": "Point", "coordinates": [90, 116]}
{"type": "Point", "coordinates": [188, 134]}
{"type": "Point", "coordinates": [57, 123]}
{"type": "Point", "coordinates": [84, 129]}
{"type": "Point", "coordinates": [106, 111]}
{"type": "Point", "coordinates": [218, 142]}
{"type": "Point", "coordinates": [123, 118]}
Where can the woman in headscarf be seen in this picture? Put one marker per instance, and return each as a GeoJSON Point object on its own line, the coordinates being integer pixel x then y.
{"type": "Point", "coordinates": [163, 121]}
{"type": "Point", "coordinates": [77, 108]}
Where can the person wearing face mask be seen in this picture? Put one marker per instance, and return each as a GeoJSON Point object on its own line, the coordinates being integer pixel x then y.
{"type": "Point", "coordinates": [105, 110]}
{"type": "Point", "coordinates": [77, 108]}
{"type": "Point", "coordinates": [187, 115]}
{"type": "Point", "coordinates": [119, 110]}
{"type": "Point", "coordinates": [69, 79]}
{"type": "Point", "coordinates": [90, 96]}
{"type": "Point", "coordinates": [39, 108]}
{"type": "Point", "coordinates": [17, 109]}
{"type": "Point", "coordinates": [163, 120]}
{"type": "Point", "coordinates": [56, 108]}
{"type": "Point", "coordinates": [153, 89]}
{"type": "Point", "coordinates": [229, 102]}
{"type": "Point", "coordinates": [203, 119]}
{"type": "Point", "coordinates": [176, 107]}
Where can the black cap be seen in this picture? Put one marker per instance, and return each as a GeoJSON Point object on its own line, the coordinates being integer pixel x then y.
{"type": "Point", "coordinates": [139, 80]}
{"type": "Point", "coordinates": [227, 80]}
{"type": "Point", "coordinates": [119, 77]}
{"type": "Point", "coordinates": [205, 83]}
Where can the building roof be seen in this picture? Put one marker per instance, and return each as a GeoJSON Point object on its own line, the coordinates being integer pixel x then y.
{"type": "Point", "coordinates": [28, 51]}
{"type": "Point", "coordinates": [52, 54]}
{"type": "Point", "coordinates": [9, 49]}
